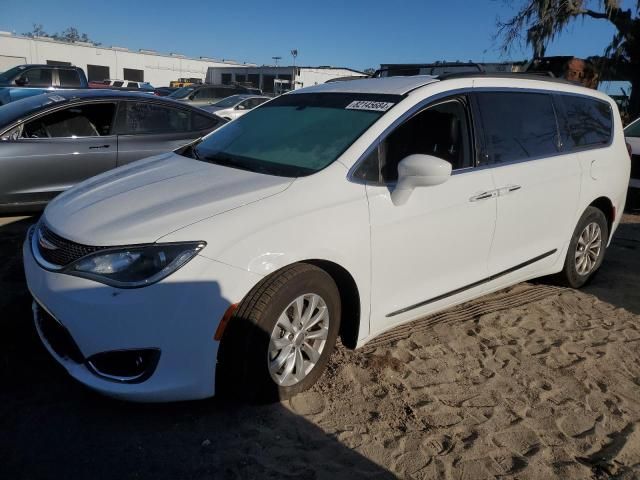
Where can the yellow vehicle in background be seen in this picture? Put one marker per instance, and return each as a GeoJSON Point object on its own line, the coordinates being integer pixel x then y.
{"type": "Point", "coordinates": [185, 82]}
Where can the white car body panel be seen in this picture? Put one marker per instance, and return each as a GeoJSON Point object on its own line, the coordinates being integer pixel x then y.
{"type": "Point", "coordinates": [406, 243]}
{"type": "Point", "coordinates": [437, 250]}
{"type": "Point", "coordinates": [126, 201]}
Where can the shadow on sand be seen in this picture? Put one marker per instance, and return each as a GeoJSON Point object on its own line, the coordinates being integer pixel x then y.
{"type": "Point", "coordinates": [52, 427]}
{"type": "Point", "coordinates": [616, 282]}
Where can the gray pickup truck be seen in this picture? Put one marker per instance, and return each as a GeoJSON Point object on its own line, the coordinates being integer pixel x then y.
{"type": "Point", "coordinates": [27, 80]}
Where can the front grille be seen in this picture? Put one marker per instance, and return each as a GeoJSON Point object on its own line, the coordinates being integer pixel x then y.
{"type": "Point", "coordinates": [59, 251]}
{"type": "Point", "coordinates": [58, 337]}
{"type": "Point", "coordinates": [635, 167]}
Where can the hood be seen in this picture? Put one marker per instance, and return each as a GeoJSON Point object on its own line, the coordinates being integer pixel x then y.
{"type": "Point", "coordinates": [147, 199]}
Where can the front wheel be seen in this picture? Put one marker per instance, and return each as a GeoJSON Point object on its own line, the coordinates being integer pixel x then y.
{"type": "Point", "coordinates": [586, 249]}
{"type": "Point", "coordinates": [279, 340]}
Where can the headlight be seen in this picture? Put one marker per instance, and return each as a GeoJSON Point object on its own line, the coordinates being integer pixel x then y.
{"type": "Point", "coordinates": [136, 266]}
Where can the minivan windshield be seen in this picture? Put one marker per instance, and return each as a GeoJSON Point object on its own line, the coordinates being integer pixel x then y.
{"type": "Point", "coordinates": [294, 135]}
{"type": "Point", "coordinates": [182, 92]}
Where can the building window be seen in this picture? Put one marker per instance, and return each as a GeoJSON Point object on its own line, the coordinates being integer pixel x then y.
{"type": "Point", "coordinates": [97, 73]}
{"type": "Point", "coordinates": [133, 74]}
{"type": "Point", "coordinates": [58, 63]}
{"type": "Point", "coordinates": [267, 83]}
{"type": "Point", "coordinates": [241, 78]}
{"type": "Point", "coordinates": [254, 80]}
{"type": "Point", "coordinates": [226, 79]}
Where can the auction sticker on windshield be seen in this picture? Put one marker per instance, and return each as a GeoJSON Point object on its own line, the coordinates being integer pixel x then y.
{"type": "Point", "coordinates": [369, 105]}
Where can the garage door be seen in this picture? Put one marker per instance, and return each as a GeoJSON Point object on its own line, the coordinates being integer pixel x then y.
{"type": "Point", "coordinates": [7, 62]}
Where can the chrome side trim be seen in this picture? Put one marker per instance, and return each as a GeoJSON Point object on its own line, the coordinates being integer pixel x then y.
{"type": "Point", "coordinates": [473, 285]}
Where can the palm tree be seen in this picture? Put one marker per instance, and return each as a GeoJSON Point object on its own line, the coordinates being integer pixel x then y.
{"type": "Point", "coordinates": [540, 21]}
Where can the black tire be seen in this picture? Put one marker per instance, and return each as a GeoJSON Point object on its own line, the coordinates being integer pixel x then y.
{"type": "Point", "coordinates": [242, 370]}
{"type": "Point", "coordinates": [569, 275]}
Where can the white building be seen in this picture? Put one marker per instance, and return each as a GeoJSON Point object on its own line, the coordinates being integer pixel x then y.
{"type": "Point", "coordinates": [277, 79]}
{"type": "Point", "coordinates": [100, 63]}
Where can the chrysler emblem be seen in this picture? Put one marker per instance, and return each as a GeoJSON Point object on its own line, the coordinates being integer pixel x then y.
{"type": "Point", "coordinates": [44, 243]}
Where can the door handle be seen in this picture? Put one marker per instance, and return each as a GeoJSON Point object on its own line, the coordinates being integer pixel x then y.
{"type": "Point", "coordinates": [98, 146]}
{"type": "Point", "coordinates": [483, 196]}
{"type": "Point", "coordinates": [508, 189]}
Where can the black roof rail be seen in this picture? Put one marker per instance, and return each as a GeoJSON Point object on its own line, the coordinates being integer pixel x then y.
{"type": "Point", "coordinates": [419, 66]}
{"type": "Point", "coordinates": [544, 76]}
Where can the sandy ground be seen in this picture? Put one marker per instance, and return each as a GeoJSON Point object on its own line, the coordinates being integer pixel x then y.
{"type": "Point", "coordinates": [533, 382]}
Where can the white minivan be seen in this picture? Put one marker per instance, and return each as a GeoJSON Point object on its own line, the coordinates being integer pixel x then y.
{"type": "Point", "coordinates": [345, 209]}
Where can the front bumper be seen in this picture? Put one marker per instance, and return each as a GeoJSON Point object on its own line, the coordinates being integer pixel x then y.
{"type": "Point", "coordinates": [177, 316]}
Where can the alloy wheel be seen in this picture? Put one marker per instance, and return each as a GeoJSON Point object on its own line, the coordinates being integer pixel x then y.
{"type": "Point", "coordinates": [588, 248]}
{"type": "Point", "coordinates": [298, 339]}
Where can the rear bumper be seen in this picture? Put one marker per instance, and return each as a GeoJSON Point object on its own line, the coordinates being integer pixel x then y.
{"type": "Point", "coordinates": [178, 317]}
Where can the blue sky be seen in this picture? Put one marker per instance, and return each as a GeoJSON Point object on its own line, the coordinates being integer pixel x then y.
{"type": "Point", "coordinates": [351, 33]}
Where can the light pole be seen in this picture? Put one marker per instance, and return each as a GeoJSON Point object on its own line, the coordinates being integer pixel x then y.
{"type": "Point", "coordinates": [276, 60]}
{"type": "Point", "coordinates": [294, 54]}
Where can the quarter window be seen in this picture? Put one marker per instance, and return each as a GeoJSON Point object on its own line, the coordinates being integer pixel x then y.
{"type": "Point", "coordinates": [142, 117]}
{"type": "Point", "coordinates": [200, 122]}
{"type": "Point", "coordinates": [518, 126]}
{"type": "Point", "coordinates": [69, 78]}
{"type": "Point", "coordinates": [77, 121]}
{"type": "Point", "coordinates": [589, 121]}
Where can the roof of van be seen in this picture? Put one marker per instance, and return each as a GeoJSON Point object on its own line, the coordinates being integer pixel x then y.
{"type": "Point", "coordinates": [386, 85]}
{"type": "Point", "coordinates": [403, 85]}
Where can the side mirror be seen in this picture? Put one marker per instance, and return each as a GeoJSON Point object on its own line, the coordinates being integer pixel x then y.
{"type": "Point", "coordinates": [419, 170]}
{"type": "Point", "coordinates": [22, 81]}
{"type": "Point", "coordinates": [241, 107]}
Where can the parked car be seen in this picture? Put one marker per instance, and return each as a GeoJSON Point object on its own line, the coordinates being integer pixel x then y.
{"type": "Point", "coordinates": [123, 85]}
{"type": "Point", "coordinates": [28, 80]}
{"type": "Point", "coordinates": [164, 91]}
{"type": "Point", "coordinates": [208, 94]}
{"type": "Point", "coordinates": [50, 142]}
{"type": "Point", "coordinates": [632, 133]}
{"type": "Point", "coordinates": [349, 208]}
{"type": "Point", "coordinates": [235, 106]}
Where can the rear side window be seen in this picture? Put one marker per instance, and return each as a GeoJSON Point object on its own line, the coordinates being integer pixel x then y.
{"type": "Point", "coordinates": [78, 121]}
{"type": "Point", "coordinates": [588, 122]}
{"type": "Point", "coordinates": [142, 117]}
{"type": "Point", "coordinates": [254, 102]}
{"type": "Point", "coordinates": [203, 94]}
{"type": "Point", "coordinates": [518, 126]}
{"type": "Point", "coordinates": [222, 92]}
{"type": "Point", "coordinates": [200, 122]}
{"type": "Point", "coordinates": [69, 78]}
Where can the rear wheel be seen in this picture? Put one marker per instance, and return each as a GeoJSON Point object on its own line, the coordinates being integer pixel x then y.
{"type": "Point", "coordinates": [279, 340]}
{"type": "Point", "coordinates": [586, 248]}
